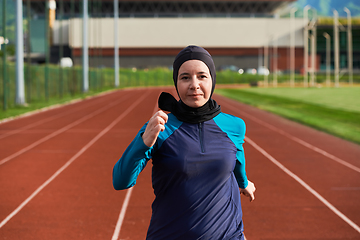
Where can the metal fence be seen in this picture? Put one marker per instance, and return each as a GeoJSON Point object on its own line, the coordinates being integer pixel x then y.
{"type": "Point", "coordinates": [68, 82]}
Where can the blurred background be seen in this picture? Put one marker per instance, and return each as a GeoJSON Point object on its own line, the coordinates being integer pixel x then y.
{"type": "Point", "coordinates": [58, 50]}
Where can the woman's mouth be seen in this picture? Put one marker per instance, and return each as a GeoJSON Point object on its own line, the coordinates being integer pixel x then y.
{"type": "Point", "coordinates": [195, 95]}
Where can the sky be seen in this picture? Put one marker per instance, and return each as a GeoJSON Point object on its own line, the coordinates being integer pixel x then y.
{"type": "Point", "coordinates": [326, 7]}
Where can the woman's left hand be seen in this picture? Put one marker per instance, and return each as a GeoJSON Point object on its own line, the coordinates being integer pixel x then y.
{"type": "Point", "coordinates": [249, 191]}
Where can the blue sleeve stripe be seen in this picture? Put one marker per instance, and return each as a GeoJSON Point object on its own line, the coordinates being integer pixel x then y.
{"type": "Point", "coordinates": [170, 127]}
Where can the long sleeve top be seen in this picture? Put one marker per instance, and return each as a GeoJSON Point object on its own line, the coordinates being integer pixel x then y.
{"type": "Point", "coordinates": [196, 175]}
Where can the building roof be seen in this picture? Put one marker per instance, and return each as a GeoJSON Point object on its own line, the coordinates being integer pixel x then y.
{"type": "Point", "coordinates": [171, 8]}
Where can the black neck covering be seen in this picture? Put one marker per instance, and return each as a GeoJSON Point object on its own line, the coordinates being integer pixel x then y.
{"type": "Point", "coordinates": [181, 111]}
{"type": "Point", "coordinates": [188, 114]}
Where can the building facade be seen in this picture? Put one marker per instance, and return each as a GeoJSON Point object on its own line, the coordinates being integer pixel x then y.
{"type": "Point", "coordinates": [151, 33]}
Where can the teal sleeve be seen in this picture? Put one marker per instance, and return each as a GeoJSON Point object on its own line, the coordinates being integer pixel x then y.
{"type": "Point", "coordinates": [131, 163]}
{"type": "Point", "coordinates": [235, 128]}
{"type": "Point", "coordinates": [239, 170]}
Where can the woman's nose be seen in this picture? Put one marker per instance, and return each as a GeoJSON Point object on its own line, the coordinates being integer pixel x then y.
{"type": "Point", "coordinates": [195, 84]}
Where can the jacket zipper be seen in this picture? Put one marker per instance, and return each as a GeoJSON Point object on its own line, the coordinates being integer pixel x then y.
{"type": "Point", "coordinates": [201, 137]}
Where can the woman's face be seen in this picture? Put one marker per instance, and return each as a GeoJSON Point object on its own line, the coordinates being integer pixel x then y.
{"type": "Point", "coordinates": [194, 83]}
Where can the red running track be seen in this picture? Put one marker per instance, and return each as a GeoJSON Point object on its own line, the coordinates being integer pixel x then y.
{"type": "Point", "coordinates": [55, 174]}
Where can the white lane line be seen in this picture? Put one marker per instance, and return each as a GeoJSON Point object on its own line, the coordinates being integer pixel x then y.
{"type": "Point", "coordinates": [122, 214]}
{"type": "Point", "coordinates": [126, 203]}
{"type": "Point", "coordinates": [305, 185]}
{"type": "Point", "coordinates": [298, 140]}
{"type": "Point", "coordinates": [55, 106]}
{"type": "Point", "coordinates": [82, 150]}
{"type": "Point", "coordinates": [25, 149]}
{"type": "Point", "coordinates": [61, 114]}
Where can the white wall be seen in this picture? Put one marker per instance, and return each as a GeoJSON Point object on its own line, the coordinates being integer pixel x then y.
{"type": "Point", "coordinates": [64, 34]}
{"type": "Point", "coordinates": [180, 32]}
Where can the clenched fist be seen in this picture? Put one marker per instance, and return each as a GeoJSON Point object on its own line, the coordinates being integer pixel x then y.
{"type": "Point", "coordinates": [155, 125]}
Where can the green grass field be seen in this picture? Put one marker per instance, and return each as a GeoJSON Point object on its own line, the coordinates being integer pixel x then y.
{"type": "Point", "coordinates": [343, 98]}
{"type": "Point", "coordinates": [332, 110]}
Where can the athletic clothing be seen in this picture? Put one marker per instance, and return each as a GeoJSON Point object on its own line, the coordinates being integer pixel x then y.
{"type": "Point", "coordinates": [197, 171]}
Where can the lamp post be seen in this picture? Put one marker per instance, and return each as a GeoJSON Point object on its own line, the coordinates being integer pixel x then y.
{"type": "Point", "coordinates": [292, 46]}
{"type": "Point", "coordinates": [350, 50]}
{"type": "Point", "coordinates": [306, 46]}
{"type": "Point", "coordinates": [85, 56]}
{"type": "Point", "coordinates": [266, 55]}
{"type": "Point", "coordinates": [336, 48]}
{"type": "Point", "coordinates": [275, 59]}
{"type": "Point", "coordinates": [327, 36]}
{"type": "Point", "coordinates": [313, 48]}
{"type": "Point", "coordinates": [20, 85]}
{"type": "Point", "coordinates": [116, 46]}
{"type": "Point", "coordinates": [4, 57]}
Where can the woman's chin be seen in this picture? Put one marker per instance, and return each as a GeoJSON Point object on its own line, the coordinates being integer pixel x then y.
{"type": "Point", "coordinates": [195, 103]}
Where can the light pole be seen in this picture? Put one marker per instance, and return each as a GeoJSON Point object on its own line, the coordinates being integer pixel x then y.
{"type": "Point", "coordinates": [116, 46]}
{"type": "Point", "coordinates": [327, 36]}
{"type": "Point", "coordinates": [20, 85]}
{"type": "Point", "coordinates": [313, 47]}
{"type": "Point", "coordinates": [336, 48]}
{"type": "Point", "coordinates": [306, 46]}
{"type": "Point", "coordinates": [275, 59]}
{"type": "Point", "coordinates": [266, 55]}
{"type": "Point", "coordinates": [292, 46]}
{"type": "Point", "coordinates": [85, 50]}
{"type": "Point", "coordinates": [4, 57]}
{"type": "Point", "coordinates": [350, 50]}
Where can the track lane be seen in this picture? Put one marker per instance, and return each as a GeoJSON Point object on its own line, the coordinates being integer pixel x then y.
{"type": "Point", "coordinates": [27, 171]}
{"type": "Point", "coordinates": [324, 142]}
{"type": "Point", "coordinates": [305, 185]}
{"type": "Point", "coordinates": [317, 170]}
{"type": "Point", "coordinates": [24, 132]}
{"type": "Point", "coordinates": [90, 196]}
{"type": "Point", "coordinates": [13, 127]}
{"type": "Point", "coordinates": [283, 208]}
{"type": "Point", "coordinates": [307, 164]}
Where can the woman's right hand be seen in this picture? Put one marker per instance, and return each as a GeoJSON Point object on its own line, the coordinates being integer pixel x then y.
{"type": "Point", "coordinates": [249, 191]}
{"type": "Point", "coordinates": [153, 128]}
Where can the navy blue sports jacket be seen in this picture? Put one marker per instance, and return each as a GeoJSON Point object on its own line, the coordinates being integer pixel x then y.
{"type": "Point", "coordinates": [196, 175]}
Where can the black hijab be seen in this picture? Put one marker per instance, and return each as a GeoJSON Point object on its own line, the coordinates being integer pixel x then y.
{"type": "Point", "coordinates": [181, 111]}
